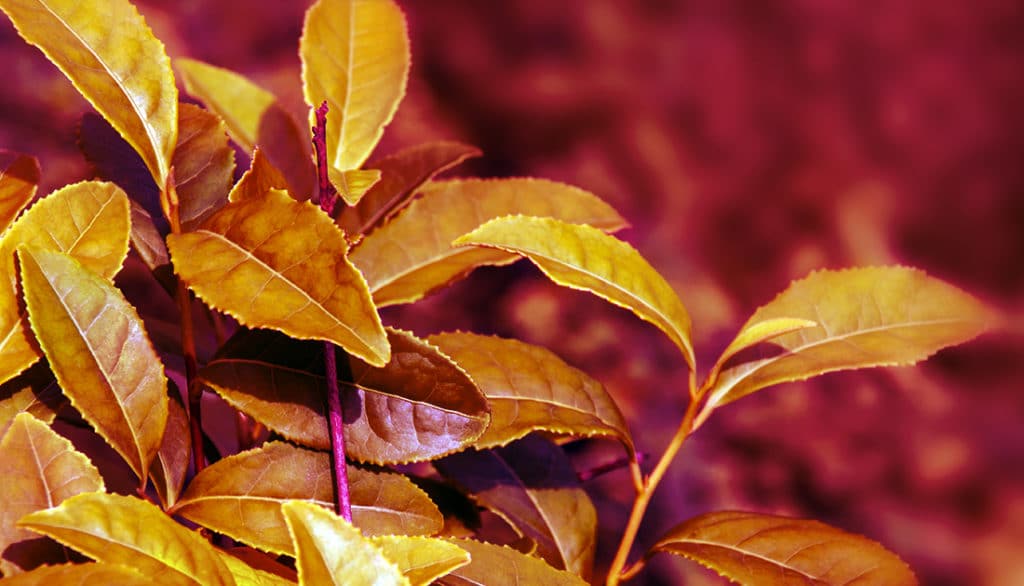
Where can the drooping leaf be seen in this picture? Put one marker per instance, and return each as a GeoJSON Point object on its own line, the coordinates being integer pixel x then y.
{"type": "Point", "coordinates": [529, 389]}
{"type": "Point", "coordinates": [531, 484]}
{"type": "Point", "coordinates": [112, 58]}
{"type": "Point", "coordinates": [40, 470]}
{"type": "Point", "coordinates": [34, 391]}
{"type": "Point", "coordinates": [878, 316]}
{"type": "Point", "coordinates": [171, 464]}
{"type": "Point", "coordinates": [330, 551]}
{"type": "Point", "coordinates": [240, 496]}
{"type": "Point", "coordinates": [204, 164]}
{"type": "Point", "coordinates": [412, 255]}
{"type": "Point", "coordinates": [146, 239]}
{"type": "Point", "coordinates": [19, 177]}
{"type": "Point", "coordinates": [353, 184]}
{"type": "Point", "coordinates": [99, 352]}
{"type": "Point", "coordinates": [258, 179]}
{"type": "Point", "coordinates": [79, 575]}
{"type": "Point", "coordinates": [273, 262]}
{"type": "Point", "coordinates": [421, 559]}
{"type": "Point", "coordinates": [401, 175]}
{"type": "Point", "coordinates": [756, 333]}
{"type": "Point", "coordinates": [499, 565]}
{"type": "Point", "coordinates": [355, 55]}
{"type": "Point", "coordinates": [246, 575]}
{"type": "Point", "coordinates": [756, 548]}
{"type": "Point", "coordinates": [132, 532]}
{"type": "Point", "coordinates": [88, 220]}
{"type": "Point", "coordinates": [585, 258]}
{"type": "Point", "coordinates": [418, 407]}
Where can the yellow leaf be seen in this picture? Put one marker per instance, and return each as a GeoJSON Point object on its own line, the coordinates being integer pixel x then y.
{"type": "Point", "coordinates": [412, 255]}
{"type": "Point", "coordinates": [330, 551]}
{"type": "Point", "coordinates": [273, 262]}
{"type": "Point", "coordinates": [40, 470]}
{"type": "Point", "coordinates": [529, 389]}
{"type": "Point", "coordinates": [135, 533]}
{"type": "Point", "coordinates": [499, 565]}
{"type": "Point", "coordinates": [240, 496]}
{"type": "Point", "coordinates": [258, 179]}
{"type": "Point", "coordinates": [19, 177]}
{"type": "Point", "coordinates": [99, 352]}
{"type": "Point", "coordinates": [171, 464]}
{"type": "Point", "coordinates": [246, 575]}
{"type": "Point", "coordinates": [756, 333]}
{"type": "Point", "coordinates": [112, 58]}
{"type": "Point", "coordinates": [355, 55]}
{"type": "Point", "coordinates": [584, 258]}
{"type": "Point", "coordinates": [752, 548]}
{"type": "Point", "coordinates": [72, 574]}
{"type": "Point", "coordinates": [401, 175]}
{"type": "Point", "coordinates": [421, 559]}
{"type": "Point", "coordinates": [352, 185]}
{"type": "Point", "coordinates": [878, 316]}
{"type": "Point", "coordinates": [33, 391]}
{"type": "Point", "coordinates": [204, 164]}
{"type": "Point", "coordinates": [88, 220]}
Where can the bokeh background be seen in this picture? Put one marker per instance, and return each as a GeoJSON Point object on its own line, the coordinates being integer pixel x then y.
{"type": "Point", "coordinates": [748, 143]}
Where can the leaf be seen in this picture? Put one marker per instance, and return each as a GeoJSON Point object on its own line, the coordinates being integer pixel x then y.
{"type": "Point", "coordinates": [169, 468]}
{"type": "Point", "coordinates": [754, 548]}
{"type": "Point", "coordinates": [88, 220]}
{"type": "Point", "coordinates": [418, 407]}
{"type": "Point", "coordinates": [132, 532]}
{"type": "Point", "coordinates": [246, 575]}
{"type": "Point", "coordinates": [113, 159]}
{"type": "Point", "coordinates": [79, 575]}
{"type": "Point", "coordinates": [273, 262]}
{"type": "Point", "coordinates": [352, 185]}
{"type": "Point", "coordinates": [99, 352]}
{"type": "Point", "coordinates": [19, 177]}
{"type": "Point", "coordinates": [412, 255]}
{"type": "Point", "coordinates": [757, 333]}
{"type": "Point", "coordinates": [584, 258]}
{"type": "Point", "coordinates": [329, 550]}
{"type": "Point", "coordinates": [878, 316]}
{"type": "Point", "coordinates": [529, 388]}
{"type": "Point", "coordinates": [204, 164]}
{"type": "Point", "coordinates": [33, 391]}
{"type": "Point", "coordinates": [112, 58]}
{"type": "Point", "coordinates": [240, 496]}
{"type": "Point", "coordinates": [355, 55]}
{"type": "Point", "coordinates": [146, 239]}
{"type": "Point", "coordinates": [258, 179]}
{"type": "Point", "coordinates": [532, 485]}
{"type": "Point", "coordinates": [401, 175]}
{"type": "Point", "coordinates": [421, 559]}
{"type": "Point", "coordinates": [499, 565]}
{"type": "Point", "coordinates": [40, 470]}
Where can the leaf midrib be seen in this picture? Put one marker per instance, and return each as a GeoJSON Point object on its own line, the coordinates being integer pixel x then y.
{"type": "Point", "coordinates": [740, 550]}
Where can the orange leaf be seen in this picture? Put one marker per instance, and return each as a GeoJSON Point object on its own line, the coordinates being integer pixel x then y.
{"type": "Point", "coordinates": [498, 565]}
{"type": "Point", "coordinates": [204, 164]}
{"type": "Point", "coordinates": [19, 177]}
{"type": "Point", "coordinates": [171, 464]}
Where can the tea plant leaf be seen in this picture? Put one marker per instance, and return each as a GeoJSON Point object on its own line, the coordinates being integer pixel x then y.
{"type": "Point", "coordinates": [40, 470]}
{"type": "Point", "coordinates": [499, 565]}
{"type": "Point", "coordinates": [412, 255]}
{"type": "Point", "coordinates": [204, 164]}
{"type": "Point", "coordinates": [240, 496]}
{"type": "Point", "coordinates": [329, 550]}
{"type": "Point", "coordinates": [585, 258]}
{"type": "Point", "coordinates": [112, 58]}
{"type": "Point", "coordinates": [19, 177]}
{"type": "Point", "coordinates": [273, 262]}
{"type": "Point", "coordinates": [246, 575]}
{"type": "Point", "coordinates": [529, 388]}
{"type": "Point", "coordinates": [258, 179]}
{"type": "Point", "coordinates": [352, 185]}
{"type": "Point", "coordinates": [401, 175]}
{"type": "Point", "coordinates": [355, 55]}
{"type": "Point", "coordinates": [421, 559]}
{"type": "Point", "coordinates": [88, 220]}
{"type": "Point", "coordinates": [756, 333]}
{"type": "Point", "coordinates": [34, 391]}
{"type": "Point", "coordinates": [146, 239]}
{"type": "Point", "coordinates": [418, 407]}
{"type": "Point", "coordinates": [754, 548]}
{"type": "Point", "coordinates": [171, 465]}
{"type": "Point", "coordinates": [132, 532]}
{"type": "Point", "coordinates": [79, 575]}
{"type": "Point", "coordinates": [532, 485]}
{"type": "Point", "coordinates": [99, 352]}
{"type": "Point", "coordinates": [877, 316]}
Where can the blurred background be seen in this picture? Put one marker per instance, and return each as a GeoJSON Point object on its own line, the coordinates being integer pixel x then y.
{"type": "Point", "coordinates": [747, 143]}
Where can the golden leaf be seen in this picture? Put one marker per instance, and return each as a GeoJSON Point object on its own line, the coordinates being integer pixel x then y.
{"type": "Point", "coordinates": [246, 575]}
{"type": "Point", "coordinates": [204, 165]}
{"type": "Point", "coordinates": [19, 177]}
{"type": "Point", "coordinates": [753, 334]}
{"type": "Point", "coordinates": [499, 565]}
{"type": "Point", "coordinates": [421, 559]}
{"type": "Point", "coordinates": [258, 179]}
{"type": "Point", "coordinates": [353, 184]}
{"type": "Point", "coordinates": [69, 574]}
{"type": "Point", "coordinates": [171, 464]}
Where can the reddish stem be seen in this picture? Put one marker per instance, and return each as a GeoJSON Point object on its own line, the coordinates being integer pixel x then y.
{"type": "Point", "coordinates": [328, 196]}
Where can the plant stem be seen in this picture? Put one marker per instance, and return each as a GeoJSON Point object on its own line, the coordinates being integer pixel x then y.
{"type": "Point", "coordinates": [615, 573]}
{"type": "Point", "coordinates": [336, 425]}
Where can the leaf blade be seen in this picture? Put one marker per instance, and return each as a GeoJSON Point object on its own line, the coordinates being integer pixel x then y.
{"type": "Point", "coordinates": [79, 574]}
{"type": "Point", "coordinates": [19, 178]}
{"type": "Point", "coordinates": [498, 565]}
{"type": "Point", "coordinates": [421, 559]}
{"type": "Point", "coordinates": [204, 164]}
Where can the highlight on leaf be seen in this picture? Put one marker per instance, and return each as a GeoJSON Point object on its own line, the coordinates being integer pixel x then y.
{"type": "Point", "coordinates": [750, 548]}
{"type": "Point", "coordinates": [19, 178]}
{"type": "Point", "coordinates": [412, 255]}
{"type": "Point", "coordinates": [112, 58]}
{"type": "Point", "coordinates": [500, 565]}
{"type": "Point", "coordinates": [585, 258]}
{"type": "Point", "coordinates": [421, 559]}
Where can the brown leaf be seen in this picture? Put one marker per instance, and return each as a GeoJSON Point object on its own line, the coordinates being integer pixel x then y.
{"type": "Point", "coordinates": [204, 164]}
{"type": "Point", "coordinates": [34, 391]}
{"type": "Point", "coordinates": [171, 464]}
{"type": "Point", "coordinates": [19, 177]}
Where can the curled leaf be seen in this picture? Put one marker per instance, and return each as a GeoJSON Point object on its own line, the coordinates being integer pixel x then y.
{"type": "Point", "coordinates": [756, 333]}
{"type": "Point", "coordinates": [258, 179]}
{"type": "Point", "coordinates": [171, 464]}
{"type": "Point", "coordinates": [412, 255]}
{"type": "Point", "coordinates": [19, 177]}
{"type": "Point", "coordinates": [112, 58]}
{"type": "Point", "coordinates": [585, 258]}
{"type": "Point", "coordinates": [352, 185]}
{"type": "Point", "coordinates": [754, 548]}
{"type": "Point", "coordinates": [241, 496]}
{"type": "Point", "coordinates": [421, 559]}
{"type": "Point", "coordinates": [132, 532]}
{"type": "Point", "coordinates": [499, 565]}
